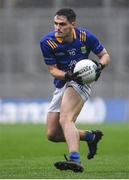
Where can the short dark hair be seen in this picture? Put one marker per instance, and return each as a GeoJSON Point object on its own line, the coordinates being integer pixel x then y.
{"type": "Point", "coordinates": [68, 13]}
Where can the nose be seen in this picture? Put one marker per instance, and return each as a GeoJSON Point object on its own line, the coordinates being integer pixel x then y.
{"type": "Point", "coordinates": [57, 27]}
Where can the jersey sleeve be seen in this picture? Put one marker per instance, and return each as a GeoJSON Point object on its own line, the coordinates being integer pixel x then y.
{"type": "Point", "coordinates": [95, 44]}
{"type": "Point", "coordinates": [47, 52]}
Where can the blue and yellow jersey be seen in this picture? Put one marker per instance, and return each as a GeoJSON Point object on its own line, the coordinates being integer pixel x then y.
{"type": "Point", "coordinates": [66, 54]}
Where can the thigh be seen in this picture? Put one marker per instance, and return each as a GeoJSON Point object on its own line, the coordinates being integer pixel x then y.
{"type": "Point", "coordinates": [71, 105]}
{"type": "Point", "coordinates": [83, 90]}
{"type": "Point", "coordinates": [56, 101]}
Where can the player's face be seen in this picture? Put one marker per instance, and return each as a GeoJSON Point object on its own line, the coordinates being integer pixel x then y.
{"type": "Point", "coordinates": [62, 26]}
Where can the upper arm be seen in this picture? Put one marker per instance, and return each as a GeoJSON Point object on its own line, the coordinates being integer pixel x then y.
{"type": "Point", "coordinates": [95, 45]}
{"type": "Point", "coordinates": [47, 52]}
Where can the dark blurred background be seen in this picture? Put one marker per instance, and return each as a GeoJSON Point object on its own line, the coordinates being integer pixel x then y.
{"type": "Point", "coordinates": [23, 73]}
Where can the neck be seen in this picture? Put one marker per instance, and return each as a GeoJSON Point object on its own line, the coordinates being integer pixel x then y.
{"type": "Point", "coordinates": [69, 37]}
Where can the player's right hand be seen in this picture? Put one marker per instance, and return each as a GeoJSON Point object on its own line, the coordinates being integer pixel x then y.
{"type": "Point", "coordinates": [73, 76]}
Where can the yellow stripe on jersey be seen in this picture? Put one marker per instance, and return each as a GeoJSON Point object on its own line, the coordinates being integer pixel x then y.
{"type": "Point", "coordinates": [82, 35]}
{"type": "Point", "coordinates": [52, 44]}
{"type": "Point", "coordinates": [74, 34]}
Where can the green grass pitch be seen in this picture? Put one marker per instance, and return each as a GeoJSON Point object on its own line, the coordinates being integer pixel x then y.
{"type": "Point", "coordinates": [26, 153]}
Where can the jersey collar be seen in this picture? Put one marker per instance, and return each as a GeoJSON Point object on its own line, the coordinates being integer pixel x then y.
{"type": "Point", "coordinates": [60, 40]}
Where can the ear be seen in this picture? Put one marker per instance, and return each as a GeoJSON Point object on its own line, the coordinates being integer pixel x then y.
{"type": "Point", "coordinates": [74, 23]}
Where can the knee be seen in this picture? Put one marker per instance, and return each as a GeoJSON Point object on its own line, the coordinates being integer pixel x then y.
{"type": "Point", "coordinates": [65, 119]}
{"type": "Point", "coordinates": [62, 120]}
{"type": "Point", "coordinates": [51, 136]}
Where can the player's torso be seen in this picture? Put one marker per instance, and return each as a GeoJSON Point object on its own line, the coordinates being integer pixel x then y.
{"type": "Point", "coordinates": [68, 54]}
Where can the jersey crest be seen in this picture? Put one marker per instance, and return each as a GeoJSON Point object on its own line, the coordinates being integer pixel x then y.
{"type": "Point", "coordinates": [83, 49]}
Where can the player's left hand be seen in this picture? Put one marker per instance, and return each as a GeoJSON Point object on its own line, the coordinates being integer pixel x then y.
{"type": "Point", "coordinates": [73, 76]}
{"type": "Point", "coordinates": [98, 69]}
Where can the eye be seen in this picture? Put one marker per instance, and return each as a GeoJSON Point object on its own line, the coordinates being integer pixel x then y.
{"type": "Point", "coordinates": [61, 24]}
{"type": "Point", "coordinates": [55, 23]}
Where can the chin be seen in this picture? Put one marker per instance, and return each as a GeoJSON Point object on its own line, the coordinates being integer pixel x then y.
{"type": "Point", "coordinates": [60, 35]}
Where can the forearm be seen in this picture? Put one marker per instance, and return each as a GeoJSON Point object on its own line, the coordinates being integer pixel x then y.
{"type": "Point", "coordinates": [104, 60]}
{"type": "Point", "coordinates": [55, 72]}
{"type": "Point", "coordinates": [104, 57]}
{"type": "Point", "coordinates": [59, 74]}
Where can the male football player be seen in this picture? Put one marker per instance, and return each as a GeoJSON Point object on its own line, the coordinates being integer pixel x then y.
{"type": "Point", "coordinates": [62, 49]}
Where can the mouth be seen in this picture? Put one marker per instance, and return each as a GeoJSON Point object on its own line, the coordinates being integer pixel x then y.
{"type": "Point", "coordinates": [59, 32]}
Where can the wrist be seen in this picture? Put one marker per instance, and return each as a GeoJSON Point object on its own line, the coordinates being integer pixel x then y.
{"type": "Point", "coordinates": [67, 76]}
{"type": "Point", "coordinates": [102, 65]}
